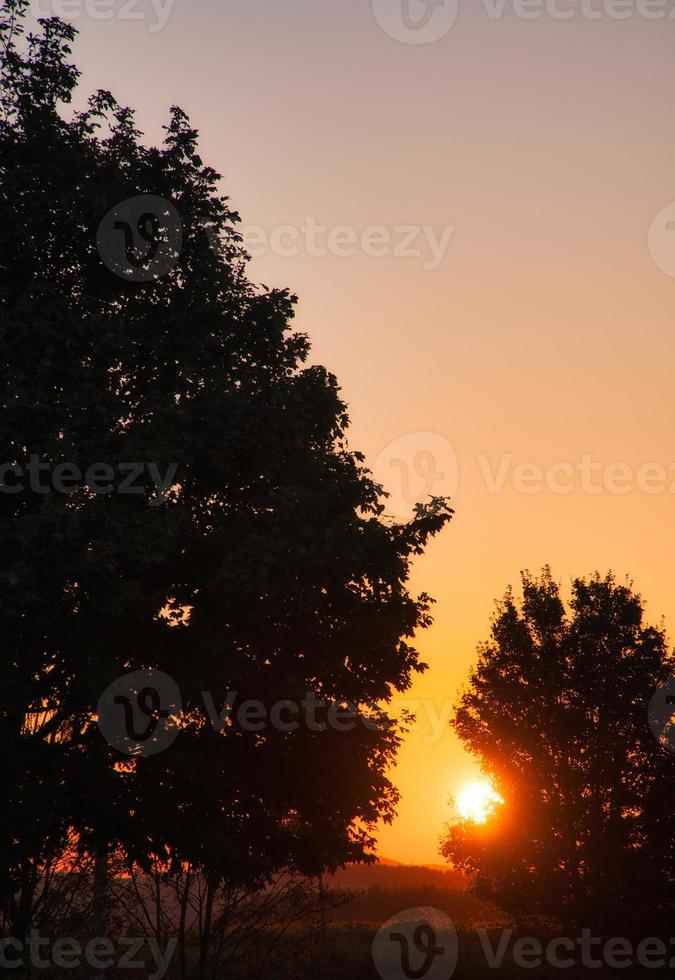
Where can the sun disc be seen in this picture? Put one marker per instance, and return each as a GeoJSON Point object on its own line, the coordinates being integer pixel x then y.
{"type": "Point", "coordinates": [478, 801]}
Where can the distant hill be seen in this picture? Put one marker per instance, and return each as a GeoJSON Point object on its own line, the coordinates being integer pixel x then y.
{"type": "Point", "coordinates": [391, 874]}
{"type": "Point", "coordinates": [384, 889]}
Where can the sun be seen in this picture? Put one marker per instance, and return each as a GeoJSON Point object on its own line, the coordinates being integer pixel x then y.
{"type": "Point", "coordinates": [478, 801]}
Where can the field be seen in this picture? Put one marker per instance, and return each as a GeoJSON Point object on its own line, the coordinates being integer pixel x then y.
{"type": "Point", "coordinates": [386, 890]}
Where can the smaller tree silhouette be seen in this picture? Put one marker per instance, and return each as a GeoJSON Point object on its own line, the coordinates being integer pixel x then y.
{"type": "Point", "coordinates": [557, 712]}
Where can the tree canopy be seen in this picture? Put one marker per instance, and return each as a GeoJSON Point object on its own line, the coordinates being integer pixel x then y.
{"type": "Point", "coordinates": [266, 567]}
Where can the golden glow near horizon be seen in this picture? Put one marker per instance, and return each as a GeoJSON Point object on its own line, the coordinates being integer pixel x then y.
{"type": "Point", "coordinates": [478, 801]}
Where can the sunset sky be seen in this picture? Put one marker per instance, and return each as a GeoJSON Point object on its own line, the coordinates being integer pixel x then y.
{"type": "Point", "coordinates": [546, 334]}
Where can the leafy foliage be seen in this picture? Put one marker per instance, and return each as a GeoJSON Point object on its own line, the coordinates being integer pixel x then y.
{"type": "Point", "coordinates": [269, 570]}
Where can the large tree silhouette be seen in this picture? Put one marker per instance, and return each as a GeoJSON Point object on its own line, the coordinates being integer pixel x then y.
{"type": "Point", "coordinates": [269, 568]}
{"type": "Point", "coordinates": [557, 713]}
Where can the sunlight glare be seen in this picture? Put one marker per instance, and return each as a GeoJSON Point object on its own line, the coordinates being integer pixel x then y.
{"type": "Point", "coordinates": [478, 801]}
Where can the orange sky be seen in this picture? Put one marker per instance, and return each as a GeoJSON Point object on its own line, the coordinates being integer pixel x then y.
{"type": "Point", "coordinates": [546, 334]}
